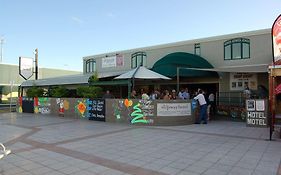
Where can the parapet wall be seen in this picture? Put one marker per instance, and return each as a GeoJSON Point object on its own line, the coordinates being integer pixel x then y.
{"type": "Point", "coordinates": [135, 111]}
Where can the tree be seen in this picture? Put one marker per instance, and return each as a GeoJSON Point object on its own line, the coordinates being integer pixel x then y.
{"type": "Point", "coordinates": [35, 91]}
{"type": "Point", "coordinates": [89, 91]}
{"type": "Point", "coordinates": [59, 92]}
{"type": "Point", "coordinates": [94, 78]}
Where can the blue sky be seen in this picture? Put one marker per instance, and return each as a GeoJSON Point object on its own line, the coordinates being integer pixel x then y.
{"type": "Point", "coordinates": [66, 30]}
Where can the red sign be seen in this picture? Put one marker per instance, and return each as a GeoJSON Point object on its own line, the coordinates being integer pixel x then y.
{"type": "Point", "coordinates": [276, 40]}
{"type": "Point", "coordinates": [278, 89]}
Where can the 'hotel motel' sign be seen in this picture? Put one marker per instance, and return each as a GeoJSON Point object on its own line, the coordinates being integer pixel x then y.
{"type": "Point", "coordinates": [256, 112]}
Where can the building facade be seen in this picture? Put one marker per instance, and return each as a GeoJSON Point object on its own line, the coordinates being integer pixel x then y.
{"type": "Point", "coordinates": [10, 78]}
{"type": "Point", "coordinates": [226, 63]}
{"type": "Point", "coordinates": [240, 60]}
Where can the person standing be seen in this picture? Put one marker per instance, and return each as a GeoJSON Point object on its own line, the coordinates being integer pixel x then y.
{"type": "Point", "coordinates": [186, 94]}
{"type": "Point", "coordinates": [133, 94]}
{"type": "Point", "coordinates": [167, 95]}
{"type": "Point", "coordinates": [212, 103]}
{"type": "Point", "coordinates": [203, 107]}
{"type": "Point", "coordinates": [180, 95]}
{"type": "Point", "coordinates": [107, 95]}
{"type": "Point", "coordinates": [174, 95]}
{"type": "Point", "coordinates": [144, 95]}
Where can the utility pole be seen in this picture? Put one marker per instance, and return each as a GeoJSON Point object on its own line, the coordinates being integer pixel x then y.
{"type": "Point", "coordinates": [36, 64]}
{"type": "Point", "coordinates": [1, 43]}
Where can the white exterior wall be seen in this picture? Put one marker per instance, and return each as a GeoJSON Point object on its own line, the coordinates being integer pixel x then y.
{"type": "Point", "coordinates": [212, 49]}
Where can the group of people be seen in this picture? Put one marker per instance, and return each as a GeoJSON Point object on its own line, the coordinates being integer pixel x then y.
{"type": "Point", "coordinates": [206, 103]}
{"type": "Point", "coordinates": [261, 92]}
{"type": "Point", "coordinates": [165, 94]}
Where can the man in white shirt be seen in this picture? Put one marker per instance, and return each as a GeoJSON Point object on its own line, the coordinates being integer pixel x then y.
{"type": "Point", "coordinates": [144, 96]}
{"type": "Point", "coordinates": [203, 107]}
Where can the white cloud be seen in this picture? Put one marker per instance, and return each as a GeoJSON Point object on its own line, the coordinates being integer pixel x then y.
{"type": "Point", "coordinates": [110, 15]}
{"type": "Point", "coordinates": [77, 20]}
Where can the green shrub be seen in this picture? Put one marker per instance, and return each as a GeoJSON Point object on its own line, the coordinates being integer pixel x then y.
{"type": "Point", "coordinates": [59, 92]}
{"type": "Point", "coordinates": [94, 78]}
{"type": "Point", "coordinates": [89, 91]}
{"type": "Point", "coordinates": [35, 92]}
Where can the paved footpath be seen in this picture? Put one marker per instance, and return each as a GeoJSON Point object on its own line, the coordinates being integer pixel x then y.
{"type": "Point", "coordinates": [53, 145]}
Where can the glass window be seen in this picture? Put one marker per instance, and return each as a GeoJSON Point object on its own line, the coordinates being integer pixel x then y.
{"type": "Point", "coordinates": [197, 49]}
{"type": "Point", "coordinates": [134, 62]}
{"type": "Point", "coordinates": [238, 48]}
{"type": "Point", "coordinates": [227, 52]}
{"type": "Point", "coordinates": [246, 50]}
{"type": "Point", "coordinates": [90, 65]}
{"type": "Point", "coordinates": [138, 59]}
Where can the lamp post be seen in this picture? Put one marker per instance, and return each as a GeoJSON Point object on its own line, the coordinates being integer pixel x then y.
{"type": "Point", "coordinates": [1, 43]}
{"type": "Point", "coordinates": [178, 77]}
{"type": "Point", "coordinates": [36, 64]}
{"type": "Point", "coordinates": [11, 93]}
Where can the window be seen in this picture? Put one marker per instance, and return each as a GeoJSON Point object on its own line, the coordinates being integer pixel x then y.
{"type": "Point", "coordinates": [238, 48]}
{"type": "Point", "coordinates": [197, 49]}
{"type": "Point", "coordinates": [90, 65]}
{"type": "Point", "coordinates": [138, 59]}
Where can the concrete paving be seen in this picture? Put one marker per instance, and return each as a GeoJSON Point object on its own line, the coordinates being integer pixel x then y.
{"type": "Point", "coordinates": [44, 144]}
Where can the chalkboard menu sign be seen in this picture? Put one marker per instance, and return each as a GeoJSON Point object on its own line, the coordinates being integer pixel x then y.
{"type": "Point", "coordinates": [96, 109]}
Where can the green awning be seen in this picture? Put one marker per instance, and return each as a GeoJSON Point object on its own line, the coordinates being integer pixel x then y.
{"type": "Point", "coordinates": [168, 65]}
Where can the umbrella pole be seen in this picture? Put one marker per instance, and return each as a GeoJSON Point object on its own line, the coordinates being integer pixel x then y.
{"type": "Point", "coordinates": [133, 83]}
{"type": "Point", "coordinates": [134, 77]}
{"type": "Point", "coordinates": [178, 79]}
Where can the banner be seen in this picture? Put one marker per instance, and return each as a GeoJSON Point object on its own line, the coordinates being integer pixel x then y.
{"type": "Point", "coordinates": [276, 41]}
{"type": "Point", "coordinates": [173, 109]}
{"type": "Point", "coordinates": [113, 61]}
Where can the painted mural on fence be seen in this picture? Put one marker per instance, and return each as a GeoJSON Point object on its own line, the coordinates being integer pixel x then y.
{"type": "Point", "coordinates": [81, 107]}
{"type": "Point", "coordinates": [20, 105]}
{"type": "Point", "coordinates": [94, 109]}
{"type": "Point", "coordinates": [63, 105]}
{"type": "Point", "coordinates": [36, 110]}
{"type": "Point", "coordinates": [44, 105]}
{"type": "Point", "coordinates": [137, 111]}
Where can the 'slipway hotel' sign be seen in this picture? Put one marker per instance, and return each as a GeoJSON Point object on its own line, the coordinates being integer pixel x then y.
{"type": "Point", "coordinates": [256, 112]}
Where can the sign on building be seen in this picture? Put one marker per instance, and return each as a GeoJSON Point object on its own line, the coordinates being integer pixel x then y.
{"type": "Point", "coordinates": [26, 67]}
{"type": "Point", "coordinates": [113, 61]}
{"type": "Point", "coordinates": [276, 40]}
{"type": "Point", "coordinates": [256, 112]}
{"type": "Point", "coordinates": [173, 109]}
{"type": "Point", "coordinates": [238, 81]}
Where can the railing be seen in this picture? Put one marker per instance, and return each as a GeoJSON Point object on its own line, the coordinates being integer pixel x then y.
{"type": "Point", "coordinates": [8, 107]}
{"type": "Point", "coordinates": [230, 99]}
